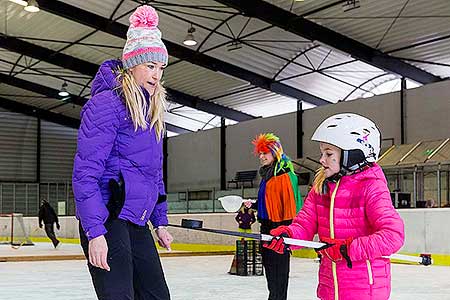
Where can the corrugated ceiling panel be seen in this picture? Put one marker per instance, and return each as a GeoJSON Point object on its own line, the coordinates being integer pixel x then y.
{"type": "Point", "coordinates": [438, 52]}
{"type": "Point", "coordinates": [301, 7]}
{"type": "Point", "coordinates": [199, 81]}
{"type": "Point", "coordinates": [8, 55]}
{"type": "Point", "coordinates": [321, 86]}
{"type": "Point", "coordinates": [414, 30]}
{"type": "Point", "coordinates": [418, 21]}
{"type": "Point", "coordinates": [69, 110]}
{"type": "Point", "coordinates": [291, 70]}
{"type": "Point", "coordinates": [251, 59]}
{"type": "Point", "coordinates": [259, 102]}
{"type": "Point", "coordinates": [366, 31]}
{"type": "Point", "coordinates": [98, 54]}
{"type": "Point", "coordinates": [103, 8]}
{"type": "Point", "coordinates": [74, 86]}
{"type": "Point", "coordinates": [42, 25]}
{"type": "Point", "coordinates": [26, 97]}
{"type": "Point", "coordinates": [354, 73]}
{"type": "Point", "coordinates": [190, 122]}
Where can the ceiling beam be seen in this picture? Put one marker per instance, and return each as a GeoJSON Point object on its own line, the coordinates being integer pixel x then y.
{"type": "Point", "coordinates": [39, 89]}
{"type": "Point", "coordinates": [90, 69]}
{"type": "Point", "coordinates": [119, 30]}
{"type": "Point", "coordinates": [177, 129]}
{"type": "Point", "coordinates": [53, 93]}
{"type": "Point", "coordinates": [305, 28]}
{"type": "Point", "coordinates": [39, 113]}
{"type": "Point", "coordinates": [60, 119]}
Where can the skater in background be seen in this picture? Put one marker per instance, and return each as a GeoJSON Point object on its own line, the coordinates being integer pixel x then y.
{"type": "Point", "coordinates": [278, 202]}
{"type": "Point", "coordinates": [48, 215]}
{"type": "Point", "coordinates": [351, 210]}
{"type": "Point", "coordinates": [120, 153]}
{"type": "Point", "coordinates": [245, 218]}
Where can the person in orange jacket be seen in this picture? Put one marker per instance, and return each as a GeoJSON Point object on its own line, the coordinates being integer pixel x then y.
{"type": "Point", "coordinates": [278, 202]}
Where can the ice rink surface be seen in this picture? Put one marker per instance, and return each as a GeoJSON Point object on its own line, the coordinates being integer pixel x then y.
{"type": "Point", "coordinates": [203, 278]}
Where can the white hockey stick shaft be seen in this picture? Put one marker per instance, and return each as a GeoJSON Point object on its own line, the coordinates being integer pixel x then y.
{"type": "Point", "coordinates": [316, 245]}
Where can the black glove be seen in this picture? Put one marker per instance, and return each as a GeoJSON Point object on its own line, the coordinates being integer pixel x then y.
{"type": "Point", "coordinates": [40, 225]}
{"type": "Point", "coordinates": [117, 199]}
{"type": "Point", "coordinates": [57, 226]}
{"type": "Point", "coordinates": [162, 198]}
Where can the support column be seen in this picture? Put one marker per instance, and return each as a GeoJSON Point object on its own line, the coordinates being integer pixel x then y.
{"type": "Point", "coordinates": [299, 129]}
{"type": "Point", "coordinates": [223, 171]}
{"type": "Point", "coordinates": [438, 177]}
{"type": "Point", "coordinates": [38, 151]}
{"type": "Point", "coordinates": [402, 110]}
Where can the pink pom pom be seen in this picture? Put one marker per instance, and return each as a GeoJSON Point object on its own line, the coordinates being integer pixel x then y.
{"type": "Point", "coordinates": [144, 16]}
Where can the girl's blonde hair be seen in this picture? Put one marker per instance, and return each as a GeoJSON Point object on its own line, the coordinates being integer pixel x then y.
{"type": "Point", "coordinates": [137, 105]}
{"type": "Point", "coordinates": [319, 180]}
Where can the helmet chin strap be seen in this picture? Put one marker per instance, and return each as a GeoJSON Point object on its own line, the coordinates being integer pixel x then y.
{"type": "Point", "coordinates": [347, 157]}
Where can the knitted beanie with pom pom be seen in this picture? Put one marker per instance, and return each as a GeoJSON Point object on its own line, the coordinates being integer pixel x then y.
{"type": "Point", "coordinates": [144, 42]}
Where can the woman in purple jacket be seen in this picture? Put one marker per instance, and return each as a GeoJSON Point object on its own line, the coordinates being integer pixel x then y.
{"type": "Point", "coordinates": [120, 138]}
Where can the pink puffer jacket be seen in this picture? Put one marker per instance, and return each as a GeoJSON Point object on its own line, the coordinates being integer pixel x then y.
{"type": "Point", "coordinates": [362, 209]}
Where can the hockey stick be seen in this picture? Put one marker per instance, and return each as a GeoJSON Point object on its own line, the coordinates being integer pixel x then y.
{"type": "Point", "coordinates": [197, 225]}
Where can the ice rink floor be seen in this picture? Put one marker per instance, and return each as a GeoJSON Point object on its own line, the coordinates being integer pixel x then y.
{"type": "Point", "coordinates": [203, 278]}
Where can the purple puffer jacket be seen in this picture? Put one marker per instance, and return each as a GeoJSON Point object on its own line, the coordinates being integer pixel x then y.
{"type": "Point", "coordinates": [109, 145]}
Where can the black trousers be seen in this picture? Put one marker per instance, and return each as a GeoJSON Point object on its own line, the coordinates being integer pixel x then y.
{"type": "Point", "coordinates": [276, 266]}
{"type": "Point", "coordinates": [50, 231]}
{"type": "Point", "coordinates": [136, 271]}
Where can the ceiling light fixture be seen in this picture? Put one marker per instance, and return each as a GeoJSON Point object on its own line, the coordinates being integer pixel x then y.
{"type": "Point", "coordinates": [350, 5]}
{"type": "Point", "coordinates": [63, 92]}
{"type": "Point", "coordinates": [190, 39]}
{"type": "Point", "coordinates": [20, 2]}
{"type": "Point", "coordinates": [32, 6]}
{"type": "Point", "coordinates": [235, 45]}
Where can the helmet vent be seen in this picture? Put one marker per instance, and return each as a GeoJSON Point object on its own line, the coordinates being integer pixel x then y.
{"type": "Point", "coordinates": [354, 133]}
{"type": "Point", "coordinates": [332, 126]}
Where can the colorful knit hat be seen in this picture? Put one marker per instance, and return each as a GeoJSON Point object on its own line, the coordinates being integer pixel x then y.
{"type": "Point", "coordinates": [144, 42]}
{"type": "Point", "coordinates": [266, 142]}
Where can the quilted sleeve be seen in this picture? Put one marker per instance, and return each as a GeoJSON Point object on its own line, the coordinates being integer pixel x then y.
{"type": "Point", "coordinates": [389, 234]}
{"type": "Point", "coordinates": [305, 224]}
{"type": "Point", "coordinates": [98, 130]}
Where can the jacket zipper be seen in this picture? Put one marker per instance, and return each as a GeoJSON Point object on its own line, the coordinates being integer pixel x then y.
{"type": "Point", "coordinates": [333, 264]}
{"type": "Point", "coordinates": [369, 272]}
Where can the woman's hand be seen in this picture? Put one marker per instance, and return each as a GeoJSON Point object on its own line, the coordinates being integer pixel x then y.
{"type": "Point", "coordinates": [98, 253]}
{"type": "Point", "coordinates": [248, 203]}
{"type": "Point", "coordinates": [164, 237]}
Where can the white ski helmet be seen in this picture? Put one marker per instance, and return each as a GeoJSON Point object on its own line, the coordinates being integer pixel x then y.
{"type": "Point", "coordinates": [353, 134]}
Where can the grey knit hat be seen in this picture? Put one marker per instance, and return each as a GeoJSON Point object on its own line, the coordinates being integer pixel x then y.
{"type": "Point", "coordinates": [144, 42]}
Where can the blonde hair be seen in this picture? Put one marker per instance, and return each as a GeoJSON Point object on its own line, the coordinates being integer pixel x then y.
{"type": "Point", "coordinates": [137, 105]}
{"type": "Point", "coordinates": [319, 180]}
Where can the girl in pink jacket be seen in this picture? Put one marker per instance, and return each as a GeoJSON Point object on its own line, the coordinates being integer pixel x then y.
{"type": "Point", "coordinates": [351, 210]}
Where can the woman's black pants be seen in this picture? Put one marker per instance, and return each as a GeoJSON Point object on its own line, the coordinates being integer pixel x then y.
{"type": "Point", "coordinates": [136, 271]}
{"type": "Point", "coordinates": [276, 267]}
